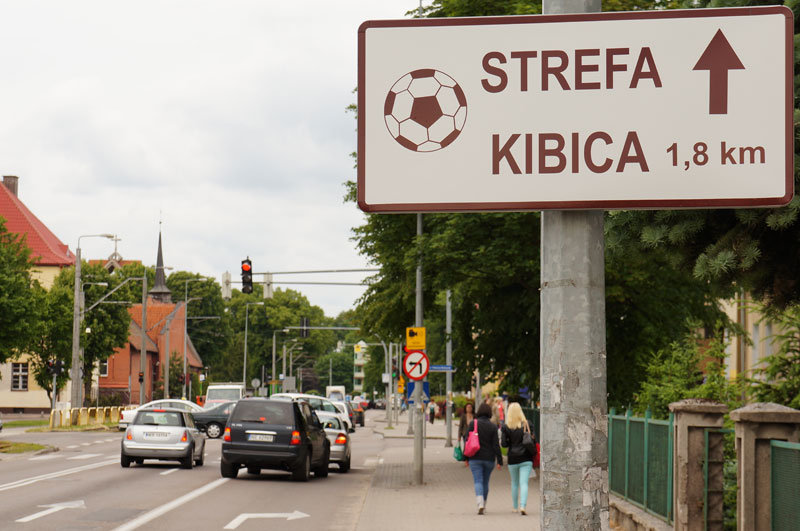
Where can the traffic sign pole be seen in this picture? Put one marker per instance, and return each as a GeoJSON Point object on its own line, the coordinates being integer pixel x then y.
{"type": "Point", "coordinates": [449, 375]}
{"type": "Point", "coordinates": [419, 417]}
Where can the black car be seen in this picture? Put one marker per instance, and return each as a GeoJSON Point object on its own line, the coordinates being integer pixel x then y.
{"type": "Point", "coordinates": [274, 434]}
{"type": "Point", "coordinates": [212, 421]}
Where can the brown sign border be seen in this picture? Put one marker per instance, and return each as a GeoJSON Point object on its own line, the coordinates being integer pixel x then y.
{"type": "Point", "coordinates": [582, 205]}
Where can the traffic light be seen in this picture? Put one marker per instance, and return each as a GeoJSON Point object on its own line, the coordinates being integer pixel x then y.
{"type": "Point", "coordinates": [304, 322]}
{"type": "Point", "coordinates": [401, 385]}
{"type": "Point", "coordinates": [51, 368]}
{"type": "Point", "coordinates": [394, 371]}
{"type": "Point", "coordinates": [59, 367]}
{"type": "Point", "coordinates": [247, 276]}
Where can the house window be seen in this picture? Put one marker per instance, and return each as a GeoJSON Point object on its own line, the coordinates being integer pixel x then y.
{"type": "Point", "coordinates": [19, 376]}
{"type": "Point", "coordinates": [104, 368]}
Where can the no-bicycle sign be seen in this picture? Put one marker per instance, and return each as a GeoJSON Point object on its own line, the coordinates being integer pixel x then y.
{"type": "Point", "coordinates": [666, 109]}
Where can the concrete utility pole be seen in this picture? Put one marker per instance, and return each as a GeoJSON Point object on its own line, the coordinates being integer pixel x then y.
{"type": "Point", "coordinates": [574, 484]}
{"type": "Point", "coordinates": [419, 417]}
{"type": "Point", "coordinates": [449, 375]}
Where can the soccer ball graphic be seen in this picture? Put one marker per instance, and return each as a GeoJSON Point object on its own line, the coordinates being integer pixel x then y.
{"type": "Point", "coordinates": [425, 110]}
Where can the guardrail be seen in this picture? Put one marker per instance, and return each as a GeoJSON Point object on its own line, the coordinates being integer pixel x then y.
{"type": "Point", "coordinates": [62, 418]}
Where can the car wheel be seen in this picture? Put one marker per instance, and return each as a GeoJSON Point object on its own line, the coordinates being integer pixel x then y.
{"type": "Point", "coordinates": [228, 470]}
{"type": "Point", "coordinates": [322, 470]}
{"type": "Point", "coordinates": [344, 466]}
{"type": "Point", "coordinates": [200, 460]}
{"type": "Point", "coordinates": [125, 461]}
{"type": "Point", "coordinates": [139, 461]}
{"type": "Point", "coordinates": [362, 422]}
{"type": "Point", "coordinates": [213, 430]}
{"type": "Point", "coordinates": [254, 470]}
{"type": "Point", "coordinates": [188, 461]}
{"type": "Point", "coordinates": [302, 472]}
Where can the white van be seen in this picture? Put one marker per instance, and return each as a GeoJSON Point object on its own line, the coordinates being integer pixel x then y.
{"type": "Point", "coordinates": [223, 392]}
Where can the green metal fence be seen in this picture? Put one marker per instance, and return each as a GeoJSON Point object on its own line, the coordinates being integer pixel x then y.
{"type": "Point", "coordinates": [533, 415]}
{"type": "Point", "coordinates": [785, 486]}
{"type": "Point", "coordinates": [719, 477]}
{"type": "Point", "coordinates": [640, 461]}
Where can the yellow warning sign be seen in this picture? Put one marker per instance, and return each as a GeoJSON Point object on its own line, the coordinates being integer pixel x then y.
{"type": "Point", "coordinates": [415, 338]}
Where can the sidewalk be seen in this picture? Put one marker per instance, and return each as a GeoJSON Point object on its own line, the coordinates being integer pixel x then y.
{"type": "Point", "coordinates": [446, 500]}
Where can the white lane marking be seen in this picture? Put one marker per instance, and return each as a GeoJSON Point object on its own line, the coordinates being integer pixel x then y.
{"type": "Point", "coordinates": [53, 475]}
{"type": "Point", "coordinates": [158, 511]}
{"type": "Point", "coordinates": [110, 440]}
{"type": "Point", "coordinates": [71, 446]}
{"type": "Point", "coordinates": [99, 442]}
{"type": "Point", "coordinates": [170, 471]}
{"type": "Point", "coordinates": [236, 522]}
{"type": "Point", "coordinates": [85, 444]}
{"type": "Point", "coordinates": [44, 457]}
{"type": "Point", "coordinates": [82, 456]}
{"type": "Point", "coordinates": [53, 508]}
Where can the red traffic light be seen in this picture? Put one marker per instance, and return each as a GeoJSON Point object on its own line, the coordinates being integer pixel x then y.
{"type": "Point", "coordinates": [245, 266]}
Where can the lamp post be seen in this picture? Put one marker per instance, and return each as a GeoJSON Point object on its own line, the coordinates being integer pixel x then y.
{"type": "Point", "coordinates": [186, 320]}
{"type": "Point", "coordinates": [75, 375]}
{"type": "Point", "coordinates": [246, 320]}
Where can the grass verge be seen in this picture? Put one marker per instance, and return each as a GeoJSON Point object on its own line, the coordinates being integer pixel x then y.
{"type": "Point", "coordinates": [9, 447]}
{"type": "Point", "coordinates": [108, 426]}
{"type": "Point", "coordinates": [25, 423]}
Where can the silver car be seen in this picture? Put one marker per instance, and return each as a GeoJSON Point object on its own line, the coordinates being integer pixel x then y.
{"type": "Point", "coordinates": [167, 434]}
{"type": "Point", "coordinates": [337, 434]}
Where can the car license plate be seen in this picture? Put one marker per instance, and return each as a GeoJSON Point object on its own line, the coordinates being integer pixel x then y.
{"type": "Point", "coordinates": [260, 437]}
{"type": "Point", "coordinates": [155, 434]}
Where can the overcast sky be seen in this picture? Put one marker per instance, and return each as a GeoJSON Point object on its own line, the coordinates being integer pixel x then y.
{"type": "Point", "coordinates": [225, 120]}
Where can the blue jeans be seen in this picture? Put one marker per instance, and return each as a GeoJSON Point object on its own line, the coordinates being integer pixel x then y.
{"type": "Point", "coordinates": [481, 471]}
{"type": "Point", "coordinates": [519, 483]}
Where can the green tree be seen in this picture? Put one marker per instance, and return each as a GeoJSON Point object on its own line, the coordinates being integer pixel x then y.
{"type": "Point", "coordinates": [51, 339]}
{"type": "Point", "coordinates": [778, 378]}
{"type": "Point", "coordinates": [17, 302]}
{"type": "Point", "coordinates": [341, 365]}
{"type": "Point", "coordinates": [688, 368]}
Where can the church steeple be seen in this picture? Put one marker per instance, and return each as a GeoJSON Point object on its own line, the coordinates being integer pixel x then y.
{"type": "Point", "coordinates": [160, 291]}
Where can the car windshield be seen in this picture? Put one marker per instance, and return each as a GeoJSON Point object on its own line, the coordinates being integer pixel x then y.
{"type": "Point", "coordinates": [272, 412]}
{"type": "Point", "coordinates": [158, 418]}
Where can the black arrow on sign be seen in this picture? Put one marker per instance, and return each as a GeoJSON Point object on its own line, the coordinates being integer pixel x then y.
{"type": "Point", "coordinates": [718, 58]}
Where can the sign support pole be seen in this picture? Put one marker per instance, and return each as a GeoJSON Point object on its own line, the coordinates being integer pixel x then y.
{"type": "Point", "coordinates": [419, 416]}
{"type": "Point", "coordinates": [574, 445]}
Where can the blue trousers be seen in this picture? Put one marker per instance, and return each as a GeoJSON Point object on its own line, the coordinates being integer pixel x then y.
{"type": "Point", "coordinates": [481, 472]}
{"type": "Point", "coordinates": [519, 483]}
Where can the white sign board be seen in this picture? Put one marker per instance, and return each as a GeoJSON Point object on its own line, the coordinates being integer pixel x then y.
{"type": "Point", "coordinates": [661, 109]}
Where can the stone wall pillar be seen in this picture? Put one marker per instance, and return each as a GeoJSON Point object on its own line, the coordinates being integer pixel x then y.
{"type": "Point", "coordinates": [756, 425]}
{"type": "Point", "coordinates": [692, 416]}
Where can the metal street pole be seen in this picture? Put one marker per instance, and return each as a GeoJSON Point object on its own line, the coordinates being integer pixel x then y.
{"type": "Point", "coordinates": [167, 357]}
{"type": "Point", "coordinates": [143, 352]}
{"type": "Point", "coordinates": [283, 366]}
{"type": "Point", "coordinates": [246, 321]}
{"type": "Point", "coordinates": [449, 375]}
{"type": "Point", "coordinates": [419, 417]}
{"type": "Point", "coordinates": [76, 395]}
{"type": "Point", "coordinates": [330, 371]}
{"type": "Point", "coordinates": [390, 394]}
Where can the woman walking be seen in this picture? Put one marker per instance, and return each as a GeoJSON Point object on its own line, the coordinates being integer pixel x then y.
{"type": "Point", "coordinates": [464, 425]}
{"type": "Point", "coordinates": [520, 457]}
{"type": "Point", "coordinates": [483, 461]}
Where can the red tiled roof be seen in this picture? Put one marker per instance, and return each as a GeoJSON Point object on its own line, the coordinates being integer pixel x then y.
{"type": "Point", "coordinates": [156, 316]}
{"type": "Point", "coordinates": [46, 248]}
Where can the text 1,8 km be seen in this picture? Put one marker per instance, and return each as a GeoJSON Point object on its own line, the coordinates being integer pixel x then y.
{"type": "Point", "coordinates": [728, 155]}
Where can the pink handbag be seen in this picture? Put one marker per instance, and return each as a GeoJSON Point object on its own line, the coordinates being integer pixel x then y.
{"type": "Point", "coordinates": [473, 444]}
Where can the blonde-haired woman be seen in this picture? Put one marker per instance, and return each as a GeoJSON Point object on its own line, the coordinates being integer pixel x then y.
{"type": "Point", "coordinates": [520, 458]}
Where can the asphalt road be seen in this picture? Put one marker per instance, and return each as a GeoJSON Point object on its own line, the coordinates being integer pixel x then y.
{"type": "Point", "coordinates": [82, 486]}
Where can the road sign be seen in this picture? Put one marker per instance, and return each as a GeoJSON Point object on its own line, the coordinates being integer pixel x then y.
{"type": "Point", "coordinates": [416, 365]}
{"type": "Point", "coordinates": [442, 368]}
{"type": "Point", "coordinates": [426, 392]}
{"type": "Point", "coordinates": [415, 338]}
{"type": "Point", "coordinates": [386, 377]}
{"type": "Point", "coordinates": [646, 109]}
{"type": "Point", "coordinates": [255, 382]}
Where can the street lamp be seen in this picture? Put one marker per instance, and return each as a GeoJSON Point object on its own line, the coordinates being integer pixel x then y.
{"type": "Point", "coordinates": [186, 320]}
{"type": "Point", "coordinates": [77, 388]}
{"type": "Point", "coordinates": [246, 320]}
